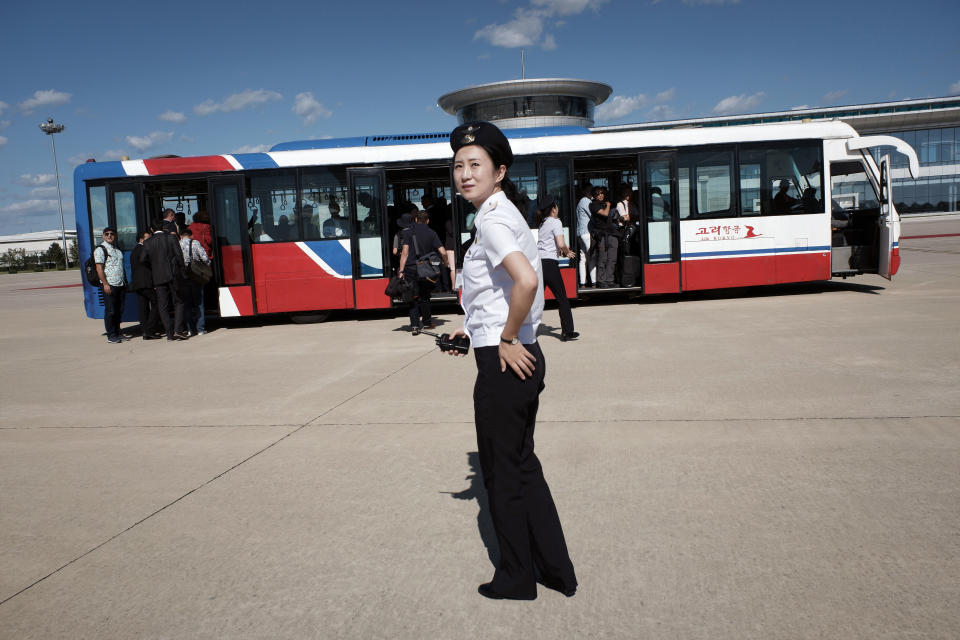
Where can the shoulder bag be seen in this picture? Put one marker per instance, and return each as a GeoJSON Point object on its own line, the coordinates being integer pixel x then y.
{"type": "Point", "coordinates": [428, 265]}
{"type": "Point", "coordinates": [199, 272]}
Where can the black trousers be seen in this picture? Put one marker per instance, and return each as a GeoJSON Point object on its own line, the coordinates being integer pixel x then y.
{"type": "Point", "coordinates": [524, 516]}
{"type": "Point", "coordinates": [170, 307]}
{"type": "Point", "coordinates": [420, 306]}
{"type": "Point", "coordinates": [553, 280]}
{"type": "Point", "coordinates": [149, 314]}
{"type": "Point", "coordinates": [113, 310]}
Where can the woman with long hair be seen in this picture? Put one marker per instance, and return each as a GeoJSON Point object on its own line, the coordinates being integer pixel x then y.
{"type": "Point", "coordinates": [503, 301]}
{"type": "Point", "coordinates": [550, 246]}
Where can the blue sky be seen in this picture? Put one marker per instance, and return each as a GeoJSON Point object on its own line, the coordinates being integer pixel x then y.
{"type": "Point", "coordinates": [211, 77]}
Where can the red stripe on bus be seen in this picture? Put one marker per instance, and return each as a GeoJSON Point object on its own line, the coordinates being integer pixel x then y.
{"type": "Point", "coordinates": [160, 166]}
{"type": "Point", "coordinates": [54, 286]}
{"type": "Point", "coordinates": [755, 270]}
{"type": "Point", "coordinates": [933, 235]}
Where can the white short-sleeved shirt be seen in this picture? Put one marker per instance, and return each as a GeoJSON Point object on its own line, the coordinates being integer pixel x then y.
{"type": "Point", "coordinates": [500, 230]}
{"type": "Point", "coordinates": [546, 240]}
{"type": "Point", "coordinates": [112, 264]}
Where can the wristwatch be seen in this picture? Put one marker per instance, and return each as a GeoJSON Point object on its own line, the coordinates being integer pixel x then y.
{"type": "Point", "coordinates": [515, 340]}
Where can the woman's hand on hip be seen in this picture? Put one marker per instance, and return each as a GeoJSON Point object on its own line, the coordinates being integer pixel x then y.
{"type": "Point", "coordinates": [517, 358]}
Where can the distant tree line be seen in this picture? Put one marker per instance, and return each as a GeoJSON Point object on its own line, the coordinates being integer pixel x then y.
{"type": "Point", "coordinates": [13, 260]}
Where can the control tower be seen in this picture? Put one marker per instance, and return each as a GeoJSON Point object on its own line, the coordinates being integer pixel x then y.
{"type": "Point", "coordinates": [531, 102]}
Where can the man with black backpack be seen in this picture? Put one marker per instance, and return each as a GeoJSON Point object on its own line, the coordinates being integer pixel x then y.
{"type": "Point", "coordinates": [420, 263]}
{"type": "Point", "coordinates": [109, 263]}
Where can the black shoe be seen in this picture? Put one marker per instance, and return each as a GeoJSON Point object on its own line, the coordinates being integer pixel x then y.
{"type": "Point", "coordinates": [151, 336]}
{"type": "Point", "coordinates": [183, 335]}
{"type": "Point", "coordinates": [415, 330]}
{"type": "Point", "coordinates": [556, 586]}
{"type": "Point", "coordinates": [487, 592]}
{"type": "Point", "coordinates": [573, 335]}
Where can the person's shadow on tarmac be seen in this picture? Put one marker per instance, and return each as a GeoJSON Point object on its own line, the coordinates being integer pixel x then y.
{"type": "Point", "coordinates": [476, 492]}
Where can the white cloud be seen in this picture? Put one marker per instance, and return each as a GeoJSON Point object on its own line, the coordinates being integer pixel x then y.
{"type": "Point", "coordinates": [43, 192]}
{"type": "Point", "coordinates": [527, 25]}
{"type": "Point", "coordinates": [48, 98]}
{"type": "Point", "coordinates": [36, 179]}
{"type": "Point", "coordinates": [523, 31]}
{"type": "Point", "coordinates": [833, 96]}
{"type": "Point", "coordinates": [4, 124]}
{"type": "Point", "coordinates": [567, 7]}
{"type": "Point", "coordinates": [619, 106]}
{"type": "Point", "coordinates": [955, 88]}
{"type": "Point", "coordinates": [3, 106]}
{"type": "Point", "coordinates": [252, 148]}
{"type": "Point", "coordinates": [666, 96]}
{"type": "Point", "coordinates": [734, 104]}
{"type": "Point", "coordinates": [31, 206]}
{"type": "Point", "coordinates": [142, 143]}
{"type": "Point", "coordinates": [799, 107]}
{"type": "Point", "coordinates": [307, 107]}
{"type": "Point", "coordinates": [114, 154]}
{"type": "Point", "coordinates": [3, 140]}
{"type": "Point", "coordinates": [237, 101]}
{"type": "Point", "coordinates": [173, 116]}
{"type": "Point", "coordinates": [660, 112]}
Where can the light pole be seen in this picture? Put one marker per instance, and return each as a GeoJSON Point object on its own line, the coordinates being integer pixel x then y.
{"type": "Point", "coordinates": [50, 127]}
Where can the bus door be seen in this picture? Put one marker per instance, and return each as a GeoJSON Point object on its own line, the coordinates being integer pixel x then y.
{"type": "Point", "coordinates": [659, 205]}
{"type": "Point", "coordinates": [885, 242]}
{"type": "Point", "coordinates": [233, 270]}
{"type": "Point", "coordinates": [368, 238]}
{"type": "Point", "coordinates": [125, 213]}
{"type": "Point", "coordinates": [556, 179]}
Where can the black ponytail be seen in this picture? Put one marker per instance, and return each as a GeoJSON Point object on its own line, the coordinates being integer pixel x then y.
{"type": "Point", "coordinates": [510, 190]}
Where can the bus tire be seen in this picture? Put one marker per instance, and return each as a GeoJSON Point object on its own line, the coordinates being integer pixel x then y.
{"type": "Point", "coordinates": [309, 318]}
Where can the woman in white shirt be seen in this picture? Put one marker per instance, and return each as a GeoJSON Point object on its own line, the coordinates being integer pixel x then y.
{"type": "Point", "coordinates": [550, 246]}
{"type": "Point", "coordinates": [503, 301]}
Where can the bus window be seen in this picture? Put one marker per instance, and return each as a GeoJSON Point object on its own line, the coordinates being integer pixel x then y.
{"type": "Point", "coordinates": [778, 179]}
{"type": "Point", "coordinates": [125, 205]}
{"type": "Point", "coordinates": [712, 176]}
{"type": "Point", "coordinates": [523, 173]}
{"type": "Point", "coordinates": [851, 189]}
{"type": "Point", "coordinates": [98, 212]}
{"type": "Point", "coordinates": [683, 192]}
{"type": "Point", "coordinates": [277, 195]}
{"type": "Point", "coordinates": [322, 204]}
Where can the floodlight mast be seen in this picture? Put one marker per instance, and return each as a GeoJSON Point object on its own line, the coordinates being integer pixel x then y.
{"type": "Point", "coordinates": [50, 127]}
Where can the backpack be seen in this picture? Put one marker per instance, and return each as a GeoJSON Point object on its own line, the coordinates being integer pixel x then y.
{"type": "Point", "coordinates": [90, 267]}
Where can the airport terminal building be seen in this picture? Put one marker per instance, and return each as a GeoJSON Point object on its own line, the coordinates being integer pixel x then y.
{"type": "Point", "coordinates": [931, 126]}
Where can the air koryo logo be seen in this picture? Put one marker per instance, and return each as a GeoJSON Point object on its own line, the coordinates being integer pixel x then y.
{"type": "Point", "coordinates": [727, 232]}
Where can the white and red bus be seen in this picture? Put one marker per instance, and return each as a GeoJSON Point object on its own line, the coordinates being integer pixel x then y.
{"type": "Point", "coordinates": [307, 227]}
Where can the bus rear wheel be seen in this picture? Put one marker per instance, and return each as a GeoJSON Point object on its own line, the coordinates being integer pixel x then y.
{"type": "Point", "coordinates": [309, 318]}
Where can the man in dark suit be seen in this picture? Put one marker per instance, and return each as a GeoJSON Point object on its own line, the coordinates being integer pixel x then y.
{"type": "Point", "coordinates": [141, 281]}
{"type": "Point", "coordinates": [162, 252]}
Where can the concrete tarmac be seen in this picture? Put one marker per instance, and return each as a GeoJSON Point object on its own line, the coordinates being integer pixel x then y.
{"type": "Point", "coordinates": [760, 463]}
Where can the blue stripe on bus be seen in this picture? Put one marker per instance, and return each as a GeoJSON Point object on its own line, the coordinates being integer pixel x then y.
{"type": "Point", "coordinates": [255, 161]}
{"type": "Point", "coordinates": [332, 253]}
{"type": "Point", "coordinates": [743, 252]}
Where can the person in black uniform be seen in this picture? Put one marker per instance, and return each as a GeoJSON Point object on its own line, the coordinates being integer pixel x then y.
{"type": "Point", "coordinates": [141, 282]}
{"type": "Point", "coordinates": [503, 302]}
{"type": "Point", "coordinates": [162, 252]}
{"type": "Point", "coordinates": [418, 241]}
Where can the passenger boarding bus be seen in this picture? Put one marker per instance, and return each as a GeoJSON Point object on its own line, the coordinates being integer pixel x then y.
{"type": "Point", "coordinates": [308, 227]}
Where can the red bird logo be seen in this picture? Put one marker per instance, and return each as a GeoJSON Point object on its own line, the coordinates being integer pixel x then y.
{"type": "Point", "coordinates": [750, 233]}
